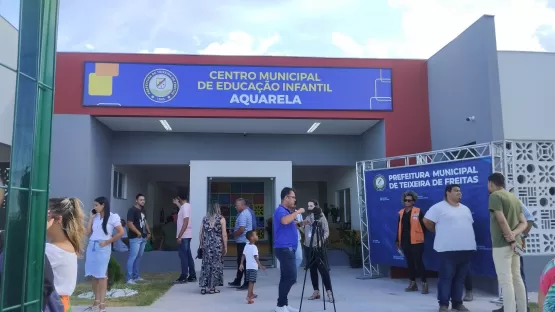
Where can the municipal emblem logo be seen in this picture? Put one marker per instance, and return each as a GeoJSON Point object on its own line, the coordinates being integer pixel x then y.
{"type": "Point", "coordinates": [161, 85]}
{"type": "Point", "coordinates": [379, 182]}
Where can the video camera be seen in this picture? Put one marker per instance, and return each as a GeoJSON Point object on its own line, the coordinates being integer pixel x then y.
{"type": "Point", "coordinates": [317, 211]}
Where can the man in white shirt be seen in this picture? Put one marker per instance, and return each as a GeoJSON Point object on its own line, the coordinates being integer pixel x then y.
{"type": "Point", "coordinates": [184, 237]}
{"type": "Point", "coordinates": [455, 243]}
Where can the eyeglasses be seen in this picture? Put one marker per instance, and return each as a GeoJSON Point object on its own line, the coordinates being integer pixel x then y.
{"type": "Point", "coordinates": [408, 200]}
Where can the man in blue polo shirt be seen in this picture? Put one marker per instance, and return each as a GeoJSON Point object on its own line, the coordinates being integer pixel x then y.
{"type": "Point", "coordinates": [285, 245]}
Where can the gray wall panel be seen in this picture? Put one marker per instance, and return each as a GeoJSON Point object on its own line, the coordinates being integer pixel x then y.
{"type": "Point", "coordinates": [373, 142]}
{"type": "Point", "coordinates": [133, 148]}
{"type": "Point", "coordinates": [463, 81]}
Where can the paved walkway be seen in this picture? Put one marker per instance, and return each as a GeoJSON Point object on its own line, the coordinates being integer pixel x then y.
{"type": "Point", "coordinates": [352, 295]}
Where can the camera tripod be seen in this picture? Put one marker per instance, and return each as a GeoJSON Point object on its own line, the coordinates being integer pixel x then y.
{"type": "Point", "coordinates": [318, 257]}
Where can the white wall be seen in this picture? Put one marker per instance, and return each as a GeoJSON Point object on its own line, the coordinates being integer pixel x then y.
{"type": "Point", "coordinates": [345, 178]}
{"type": "Point", "coordinates": [281, 171]}
{"type": "Point", "coordinates": [8, 57]}
{"type": "Point", "coordinates": [135, 183]}
{"type": "Point", "coordinates": [527, 83]}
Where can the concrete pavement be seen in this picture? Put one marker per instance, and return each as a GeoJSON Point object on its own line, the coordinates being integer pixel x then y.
{"type": "Point", "coordinates": [351, 294]}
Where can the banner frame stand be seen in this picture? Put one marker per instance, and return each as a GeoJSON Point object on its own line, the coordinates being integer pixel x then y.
{"type": "Point", "coordinates": [500, 163]}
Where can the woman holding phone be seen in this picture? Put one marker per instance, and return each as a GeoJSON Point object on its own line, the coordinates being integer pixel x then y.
{"type": "Point", "coordinates": [99, 229]}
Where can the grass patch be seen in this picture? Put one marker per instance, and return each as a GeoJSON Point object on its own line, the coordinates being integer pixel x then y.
{"type": "Point", "coordinates": [533, 307]}
{"type": "Point", "coordinates": [157, 284]}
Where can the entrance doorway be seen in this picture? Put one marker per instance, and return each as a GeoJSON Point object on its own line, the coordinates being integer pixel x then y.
{"type": "Point", "coordinates": [257, 191]}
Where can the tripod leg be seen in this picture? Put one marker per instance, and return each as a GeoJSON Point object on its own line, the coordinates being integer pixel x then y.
{"type": "Point", "coordinates": [304, 284]}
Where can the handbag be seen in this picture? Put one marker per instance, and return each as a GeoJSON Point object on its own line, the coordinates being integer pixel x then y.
{"type": "Point", "coordinates": [200, 253]}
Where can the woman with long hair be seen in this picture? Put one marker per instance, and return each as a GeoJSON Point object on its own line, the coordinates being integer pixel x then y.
{"type": "Point", "coordinates": [101, 225]}
{"type": "Point", "coordinates": [65, 231]}
{"type": "Point", "coordinates": [213, 242]}
{"type": "Point", "coordinates": [314, 252]}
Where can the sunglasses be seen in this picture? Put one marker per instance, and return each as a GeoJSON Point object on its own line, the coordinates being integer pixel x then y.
{"type": "Point", "coordinates": [408, 200]}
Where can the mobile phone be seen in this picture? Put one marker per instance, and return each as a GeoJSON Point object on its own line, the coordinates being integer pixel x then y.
{"type": "Point", "coordinates": [519, 251]}
{"type": "Point", "coordinates": [93, 211]}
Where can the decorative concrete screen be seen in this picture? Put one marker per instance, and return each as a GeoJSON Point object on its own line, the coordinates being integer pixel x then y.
{"type": "Point", "coordinates": [530, 168]}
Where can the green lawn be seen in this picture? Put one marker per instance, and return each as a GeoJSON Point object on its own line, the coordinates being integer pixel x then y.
{"type": "Point", "coordinates": [533, 307]}
{"type": "Point", "coordinates": [156, 285]}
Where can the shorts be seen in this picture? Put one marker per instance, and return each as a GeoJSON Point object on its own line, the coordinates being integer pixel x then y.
{"type": "Point", "coordinates": [250, 276]}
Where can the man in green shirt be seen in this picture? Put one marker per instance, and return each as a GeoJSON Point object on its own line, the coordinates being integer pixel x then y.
{"type": "Point", "coordinates": [506, 224]}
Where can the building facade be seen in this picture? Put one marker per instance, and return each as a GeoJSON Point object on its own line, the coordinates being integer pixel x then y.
{"type": "Point", "coordinates": [199, 136]}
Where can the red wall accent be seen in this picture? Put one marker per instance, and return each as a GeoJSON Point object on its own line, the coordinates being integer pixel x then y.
{"type": "Point", "coordinates": [407, 127]}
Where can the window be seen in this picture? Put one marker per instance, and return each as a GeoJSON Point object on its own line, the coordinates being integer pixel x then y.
{"type": "Point", "coordinates": [119, 185]}
{"type": "Point", "coordinates": [344, 203]}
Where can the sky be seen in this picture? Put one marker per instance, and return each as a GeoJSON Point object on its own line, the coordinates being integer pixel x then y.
{"type": "Point", "coordinates": [319, 28]}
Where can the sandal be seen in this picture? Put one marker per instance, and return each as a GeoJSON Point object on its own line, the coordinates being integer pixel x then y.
{"type": "Point", "coordinates": [93, 307]}
{"type": "Point", "coordinates": [214, 291]}
{"type": "Point", "coordinates": [103, 309]}
{"type": "Point", "coordinates": [203, 291]}
{"type": "Point", "coordinates": [330, 297]}
{"type": "Point", "coordinates": [250, 301]}
{"type": "Point", "coordinates": [315, 296]}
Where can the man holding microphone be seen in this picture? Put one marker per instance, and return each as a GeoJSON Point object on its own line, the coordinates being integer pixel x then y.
{"type": "Point", "coordinates": [286, 241]}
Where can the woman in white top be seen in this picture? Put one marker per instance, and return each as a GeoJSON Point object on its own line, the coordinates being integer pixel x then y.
{"type": "Point", "coordinates": [99, 229]}
{"type": "Point", "coordinates": [65, 230]}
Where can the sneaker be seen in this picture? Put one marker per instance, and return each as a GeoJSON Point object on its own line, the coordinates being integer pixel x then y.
{"type": "Point", "coordinates": [412, 287]}
{"type": "Point", "coordinates": [131, 282]}
{"type": "Point", "coordinates": [443, 309]}
{"type": "Point", "coordinates": [234, 284]}
{"type": "Point", "coordinates": [139, 279]}
{"type": "Point", "coordinates": [425, 289]}
{"type": "Point", "coordinates": [180, 281]}
{"type": "Point", "coordinates": [468, 296]}
{"type": "Point", "coordinates": [291, 309]}
{"type": "Point", "coordinates": [191, 279]}
{"type": "Point", "coordinates": [500, 310]}
{"type": "Point", "coordinates": [460, 308]}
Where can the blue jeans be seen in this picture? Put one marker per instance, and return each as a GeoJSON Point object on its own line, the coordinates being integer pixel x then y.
{"type": "Point", "coordinates": [454, 266]}
{"type": "Point", "coordinates": [136, 250]}
{"type": "Point", "coordinates": [186, 257]}
{"type": "Point", "coordinates": [288, 273]}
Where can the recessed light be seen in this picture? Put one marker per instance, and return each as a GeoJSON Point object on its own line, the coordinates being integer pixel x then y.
{"type": "Point", "coordinates": [166, 125]}
{"type": "Point", "coordinates": [313, 127]}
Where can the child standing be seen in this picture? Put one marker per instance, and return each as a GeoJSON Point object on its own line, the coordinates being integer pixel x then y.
{"type": "Point", "coordinates": [250, 256]}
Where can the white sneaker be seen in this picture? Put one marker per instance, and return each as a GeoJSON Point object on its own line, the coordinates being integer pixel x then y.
{"type": "Point", "coordinates": [291, 309]}
{"type": "Point", "coordinates": [281, 309]}
{"type": "Point", "coordinates": [140, 279]}
{"type": "Point", "coordinates": [131, 282]}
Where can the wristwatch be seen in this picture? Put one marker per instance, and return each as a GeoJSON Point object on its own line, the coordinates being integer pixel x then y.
{"type": "Point", "coordinates": [523, 235]}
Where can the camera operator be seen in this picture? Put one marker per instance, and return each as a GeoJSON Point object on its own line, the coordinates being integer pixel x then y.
{"type": "Point", "coordinates": [317, 219]}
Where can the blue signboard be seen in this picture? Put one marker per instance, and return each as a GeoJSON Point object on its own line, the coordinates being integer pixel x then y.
{"type": "Point", "coordinates": [384, 190]}
{"type": "Point", "coordinates": [207, 86]}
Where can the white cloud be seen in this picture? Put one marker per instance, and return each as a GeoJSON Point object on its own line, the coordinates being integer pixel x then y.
{"type": "Point", "coordinates": [89, 46]}
{"type": "Point", "coordinates": [242, 43]}
{"type": "Point", "coordinates": [160, 51]}
{"type": "Point", "coordinates": [428, 25]}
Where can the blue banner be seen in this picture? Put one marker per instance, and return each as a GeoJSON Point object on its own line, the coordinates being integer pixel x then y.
{"type": "Point", "coordinates": [384, 190]}
{"type": "Point", "coordinates": [207, 86]}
